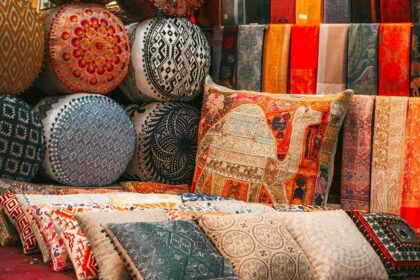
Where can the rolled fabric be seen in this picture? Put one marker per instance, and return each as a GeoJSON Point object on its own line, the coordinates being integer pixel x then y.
{"type": "Point", "coordinates": [365, 11]}
{"type": "Point", "coordinates": [283, 11]}
{"type": "Point", "coordinates": [308, 12]}
{"type": "Point", "coordinates": [250, 46]}
{"type": "Point", "coordinates": [395, 11]}
{"type": "Point", "coordinates": [337, 11]}
{"type": "Point", "coordinates": [394, 59]}
{"type": "Point", "coordinates": [276, 58]}
{"type": "Point", "coordinates": [228, 61]}
{"type": "Point", "coordinates": [362, 65]}
{"type": "Point", "coordinates": [415, 61]}
{"type": "Point", "coordinates": [332, 58]}
{"type": "Point", "coordinates": [357, 149]}
{"type": "Point", "coordinates": [216, 53]}
{"type": "Point", "coordinates": [304, 59]}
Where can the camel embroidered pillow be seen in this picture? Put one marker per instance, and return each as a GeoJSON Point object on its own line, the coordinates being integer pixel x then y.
{"type": "Point", "coordinates": [269, 148]}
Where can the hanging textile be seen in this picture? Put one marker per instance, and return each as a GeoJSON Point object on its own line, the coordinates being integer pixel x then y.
{"type": "Point", "coordinates": [362, 60]}
{"type": "Point", "coordinates": [276, 58]}
{"type": "Point", "coordinates": [308, 12]}
{"type": "Point", "coordinates": [388, 154]}
{"type": "Point", "coordinates": [228, 61]}
{"type": "Point", "coordinates": [250, 46]}
{"type": "Point", "coordinates": [337, 11]}
{"type": "Point", "coordinates": [393, 11]}
{"type": "Point", "coordinates": [216, 53]}
{"type": "Point", "coordinates": [283, 11]}
{"type": "Point", "coordinates": [357, 148]}
{"type": "Point", "coordinates": [365, 11]}
{"type": "Point", "coordinates": [416, 11]}
{"type": "Point", "coordinates": [394, 59]}
{"type": "Point", "coordinates": [332, 58]}
{"type": "Point", "coordinates": [415, 61]}
{"type": "Point", "coordinates": [304, 59]}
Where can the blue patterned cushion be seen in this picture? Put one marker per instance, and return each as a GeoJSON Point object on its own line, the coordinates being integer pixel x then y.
{"type": "Point", "coordinates": [90, 139]}
{"type": "Point", "coordinates": [169, 250]}
{"type": "Point", "coordinates": [21, 145]}
{"type": "Point", "coordinates": [202, 197]}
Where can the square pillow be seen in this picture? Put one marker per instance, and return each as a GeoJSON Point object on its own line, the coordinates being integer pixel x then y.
{"type": "Point", "coordinates": [271, 148]}
{"type": "Point", "coordinates": [334, 246]}
{"type": "Point", "coordinates": [110, 264]}
{"type": "Point", "coordinates": [153, 187]}
{"type": "Point", "coordinates": [169, 250]}
{"type": "Point", "coordinates": [396, 243]}
{"type": "Point", "coordinates": [257, 246]}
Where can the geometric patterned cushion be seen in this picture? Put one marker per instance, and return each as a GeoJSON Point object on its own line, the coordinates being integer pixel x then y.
{"type": "Point", "coordinates": [396, 243]}
{"type": "Point", "coordinates": [21, 145]}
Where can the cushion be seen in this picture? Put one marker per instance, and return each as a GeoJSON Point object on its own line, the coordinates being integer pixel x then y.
{"type": "Point", "coordinates": [238, 207]}
{"type": "Point", "coordinates": [202, 197]}
{"type": "Point", "coordinates": [110, 264]}
{"type": "Point", "coordinates": [180, 246]}
{"type": "Point", "coordinates": [142, 9]}
{"type": "Point", "coordinates": [394, 240]}
{"type": "Point", "coordinates": [257, 246]}
{"type": "Point", "coordinates": [22, 48]}
{"type": "Point", "coordinates": [334, 246]}
{"type": "Point", "coordinates": [90, 139]}
{"type": "Point", "coordinates": [177, 214]}
{"type": "Point", "coordinates": [87, 49]}
{"type": "Point", "coordinates": [170, 59]}
{"type": "Point", "coordinates": [288, 208]}
{"type": "Point", "coordinates": [270, 148]}
{"type": "Point", "coordinates": [166, 142]}
{"type": "Point", "coordinates": [19, 187]}
{"type": "Point", "coordinates": [21, 145]}
{"type": "Point", "coordinates": [8, 234]}
{"type": "Point", "coordinates": [152, 187]}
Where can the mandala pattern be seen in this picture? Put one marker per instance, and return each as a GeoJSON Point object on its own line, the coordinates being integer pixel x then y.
{"type": "Point", "coordinates": [166, 142]}
{"type": "Point", "coordinates": [21, 145]}
{"type": "Point", "coordinates": [22, 46]}
{"type": "Point", "coordinates": [90, 139]}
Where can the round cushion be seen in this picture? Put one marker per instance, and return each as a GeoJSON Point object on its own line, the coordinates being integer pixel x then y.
{"type": "Point", "coordinates": [143, 9]}
{"type": "Point", "coordinates": [22, 46]}
{"type": "Point", "coordinates": [21, 144]}
{"type": "Point", "coordinates": [166, 142]}
{"type": "Point", "coordinates": [89, 139]}
{"type": "Point", "coordinates": [87, 48]}
{"type": "Point", "coordinates": [170, 59]}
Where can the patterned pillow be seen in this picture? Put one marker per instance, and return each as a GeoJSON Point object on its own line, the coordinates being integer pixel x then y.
{"type": "Point", "coordinates": [334, 246]}
{"type": "Point", "coordinates": [394, 240]}
{"type": "Point", "coordinates": [87, 49]}
{"type": "Point", "coordinates": [270, 148]}
{"type": "Point", "coordinates": [170, 59]}
{"type": "Point", "coordinates": [110, 264]}
{"type": "Point", "coordinates": [22, 48]}
{"type": "Point", "coordinates": [180, 251]}
{"type": "Point", "coordinates": [8, 235]}
{"type": "Point", "coordinates": [91, 139]}
{"type": "Point", "coordinates": [21, 143]}
{"type": "Point", "coordinates": [166, 142]}
{"type": "Point", "coordinates": [153, 187]}
{"type": "Point", "coordinates": [202, 197]}
{"type": "Point", "coordinates": [257, 246]}
{"type": "Point", "coordinates": [142, 9]}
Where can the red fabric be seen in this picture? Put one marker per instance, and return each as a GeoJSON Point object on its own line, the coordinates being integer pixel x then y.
{"type": "Point", "coordinates": [283, 11]}
{"type": "Point", "coordinates": [304, 59]}
{"type": "Point", "coordinates": [395, 10]}
{"type": "Point", "coordinates": [394, 59]}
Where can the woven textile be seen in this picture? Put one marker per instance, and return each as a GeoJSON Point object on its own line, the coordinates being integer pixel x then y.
{"type": "Point", "coordinates": [395, 10]}
{"type": "Point", "coordinates": [337, 11]}
{"type": "Point", "coordinates": [394, 59]}
{"type": "Point", "coordinates": [365, 11]}
{"type": "Point", "coordinates": [22, 47]}
{"type": "Point", "coordinates": [180, 251]}
{"type": "Point", "coordinates": [362, 59]}
{"type": "Point", "coordinates": [415, 61]}
{"type": "Point", "coordinates": [166, 142]}
{"type": "Point", "coordinates": [357, 151]}
{"type": "Point", "coordinates": [308, 12]}
{"type": "Point", "coordinates": [250, 52]}
{"type": "Point", "coordinates": [216, 57]}
{"type": "Point", "coordinates": [388, 154]}
{"type": "Point", "coordinates": [229, 57]}
{"type": "Point", "coordinates": [152, 187]}
{"type": "Point", "coordinates": [90, 139]}
{"type": "Point", "coordinates": [276, 58]}
{"type": "Point", "coordinates": [304, 59]}
{"type": "Point", "coordinates": [283, 11]}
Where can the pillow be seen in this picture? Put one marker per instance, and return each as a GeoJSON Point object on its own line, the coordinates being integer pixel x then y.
{"type": "Point", "coordinates": [91, 139]}
{"type": "Point", "coordinates": [288, 208]}
{"type": "Point", "coordinates": [257, 246]}
{"type": "Point", "coordinates": [22, 48]}
{"type": "Point", "coordinates": [166, 142]}
{"type": "Point", "coordinates": [142, 9]}
{"type": "Point", "coordinates": [87, 49]}
{"type": "Point", "coordinates": [110, 264]}
{"type": "Point", "coordinates": [239, 207]}
{"type": "Point", "coordinates": [21, 145]}
{"type": "Point", "coordinates": [334, 246]}
{"type": "Point", "coordinates": [152, 187]}
{"type": "Point", "coordinates": [396, 243]}
{"type": "Point", "coordinates": [8, 235]}
{"type": "Point", "coordinates": [19, 187]}
{"type": "Point", "coordinates": [177, 250]}
{"type": "Point", "coordinates": [270, 148]}
{"type": "Point", "coordinates": [178, 214]}
{"type": "Point", "coordinates": [202, 197]}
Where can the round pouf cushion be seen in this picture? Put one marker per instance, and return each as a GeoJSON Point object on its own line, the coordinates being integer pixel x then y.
{"type": "Point", "coordinates": [21, 144]}
{"type": "Point", "coordinates": [87, 48]}
{"type": "Point", "coordinates": [170, 59]}
{"type": "Point", "coordinates": [89, 139]}
{"type": "Point", "coordinates": [21, 47]}
{"type": "Point", "coordinates": [166, 142]}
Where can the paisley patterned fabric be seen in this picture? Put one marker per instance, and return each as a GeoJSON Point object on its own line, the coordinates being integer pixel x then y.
{"type": "Point", "coordinates": [166, 142]}
{"type": "Point", "coordinates": [229, 57]}
{"type": "Point", "coordinates": [87, 49]}
{"type": "Point", "coordinates": [176, 249]}
{"type": "Point", "coordinates": [362, 59]}
{"type": "Point", "coordinates": [395, 10]}
{"type": "Point", "coordinates": [415, 61]}
{"type": "Point", "coordinates": [337, 11]}
{"type": "Point", "coordinates": [90, 139]}
{"type": "Point", "coordinates": [268, 148]}
{"type": "Point", "coordinates": [283, 11]}
{"type": "Point", "coordinates": [308, 12]}
{"type": "Point", "coordinates": [152, 187]}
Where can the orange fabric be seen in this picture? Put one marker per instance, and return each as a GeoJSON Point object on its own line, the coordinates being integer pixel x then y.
{"type": "Point", "coordinates": [88, 191]}
{"type": "Point", "coordinates": [309, 11]}
{"type": "Point", "coordinates": [152, 187]}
